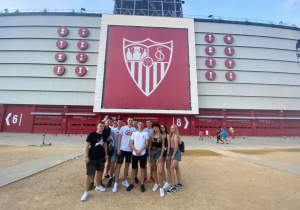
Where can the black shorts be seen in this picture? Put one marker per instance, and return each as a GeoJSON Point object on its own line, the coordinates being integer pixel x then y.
{"type": "Point", "coordinates": [125, 154]}
{"type": "Point", "coordinates": [142, 159]}
{"type": "Point", "coordinates": [94, 165]}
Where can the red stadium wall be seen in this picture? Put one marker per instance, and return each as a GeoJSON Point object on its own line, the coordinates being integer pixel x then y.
{"type": "Point", "coordinates": [81, 120]}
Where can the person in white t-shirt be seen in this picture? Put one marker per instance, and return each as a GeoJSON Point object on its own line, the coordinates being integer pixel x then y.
{"type": "Point", "coordinates": [149, 130]}
{"type": "Point", "coordinates": [139, 142]}
{"type": "Point", "coordinates": [207, 134]}
{"type": "Point", "coordinates": [124, 151]}
{"type": "Point", "coordinates": [115, 134]}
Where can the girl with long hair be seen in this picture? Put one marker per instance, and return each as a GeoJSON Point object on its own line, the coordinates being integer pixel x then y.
{"type": "Point", "coordinates": [175, 156]}
{"type": "Point", "coordinates": [167, 160]}
{"type": "Point", "coordinates": [156, 148]}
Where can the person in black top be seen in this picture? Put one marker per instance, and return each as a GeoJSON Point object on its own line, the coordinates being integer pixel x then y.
{"type": "Point", "coordinates": [219, 137]}
{"type": "Point", "coordinates": [95, 157]}
{"type": "Point", "coordinates": [109, 140]}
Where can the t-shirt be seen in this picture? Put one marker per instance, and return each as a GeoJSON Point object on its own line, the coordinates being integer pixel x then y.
{"type": "Point", "coordinates": [231, 129]}
{"type": "Point", "coordinates": [200, 133]}
{"type": "Point", "coordinates": [224, 133]}
{"type": "Point", "coordinates": [106, 132]}
{"type": "Point", "coordinates": [115, 134]}
{"type": "Point", "coordinates": [96, 150]}
{"type": "Point", "coordinates": [218, 133]}
{"type": "Point", "coordinates": [206, 132]}
{"type": "Point", "coordinates": [126, 133]}
{"type": "Point", "coordinates": [139, 140]}
{"type": "Point", "coordinates": [149, 131]}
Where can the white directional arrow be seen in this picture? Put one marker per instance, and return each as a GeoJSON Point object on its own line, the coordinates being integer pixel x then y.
{"type": "Point", "coordinates": [7, 119]}
{"type": "Point", "coordinates": [186, 123]}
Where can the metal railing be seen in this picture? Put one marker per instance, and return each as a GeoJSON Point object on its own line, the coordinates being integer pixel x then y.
{"type": "Point", "coordinates": [203, 17]}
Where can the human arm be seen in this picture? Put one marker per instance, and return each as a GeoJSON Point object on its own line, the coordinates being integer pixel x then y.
{"type": "Point", "coordinates": [176, 139]}
{"type": "Point", "coordinates": [86, 152]}
{"type": "Point", "coordinates": [162, 149]}
{"type": "Point", "coordinates": [169, 145]}
{"type": "Point", "coordinates": [105, 150]}
{"type": "Point", "coordinates": [149, 149]}
{"type": "Point", "coordinates": [119, 143]}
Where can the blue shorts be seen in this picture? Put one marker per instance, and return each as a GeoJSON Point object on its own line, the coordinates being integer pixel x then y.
{"type": "Point", "coordinates": [177, 156]}
{"type": "Point", "coordinates": [224, 136]}
{"type": "Point", "coordinates": [114, 156]}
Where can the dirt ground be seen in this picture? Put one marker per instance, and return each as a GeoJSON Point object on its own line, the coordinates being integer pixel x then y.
{"type": "Point", "coordinates": [290, 156]}
{"type": "Point", "coordinates": [210, 181]}
{"type": "Point", "coordinates": [22, 154]}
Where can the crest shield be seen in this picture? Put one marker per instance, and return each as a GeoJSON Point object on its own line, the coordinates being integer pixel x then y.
{"type": "Point", "coordinates": [147, 62]}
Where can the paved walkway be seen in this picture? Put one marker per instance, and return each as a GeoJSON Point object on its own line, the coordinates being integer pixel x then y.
{"type": "Point", "coordinates": [15, 173]}
{"type": "Point", "coordinates": [18, 172]}
{"type": "Point", "coordinates": [262, 161]}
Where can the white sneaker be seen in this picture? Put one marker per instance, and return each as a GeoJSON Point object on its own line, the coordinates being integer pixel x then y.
{"type": "Point", "coordinates": [100, 188]}
{"type": "Point", "coordinates": [125, 183]}
{"type": "Point", "coordinates": [115, 188]}
{"type": "Point", "coordinates": [155, 187]}
{"type": "Point", "coordinates": [84, 196]}
{"type": "Point", "coordinates": [166, 185]}
{"type": "Point", "coordinates": [162, 192]}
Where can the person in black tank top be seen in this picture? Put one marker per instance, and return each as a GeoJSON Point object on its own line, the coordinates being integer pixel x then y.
{"type": "Point", "coordinates": [167, 160]}
{"type": "Point", "coordinates": [156, 148]}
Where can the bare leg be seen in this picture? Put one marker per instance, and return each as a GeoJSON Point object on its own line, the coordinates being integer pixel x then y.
{"type": "Point", "coordinates": [108, 167]}
{"type": "Point", "coordinates": [160, 166]}
{"type": "Point", "coordinates": [154, 171]}
{"type": "Point", "coordinates": [93, 178]}
{"type": "Point", "coordinates": [178, 173]}
{"type": "Point", "coordinates": [126, 171]}
{"type": "Point", "coordinates": [88, 180]}
{"type": "Point", "coordinates": [174, 164]}
{"type": "Point", "coordinates": [99, 175]}
{"type": "Point", "coordinates": [142, 175]}
{"type": "Point", "coordinates": [137, 171]}
{"type": "Point", "coordinates": [168, 164]}
{"type": "Point", "coordinates": [118, 169]}
{"type": "Point", "coordinates": [133, 175]}
{"type": "Point", "coordinates": [164, 171]}
{"type": "Point", "coordinates": [112, 168]}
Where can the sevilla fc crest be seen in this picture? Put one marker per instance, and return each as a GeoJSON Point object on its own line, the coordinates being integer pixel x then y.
{"type": "Point", "coordinates": [147, 62]}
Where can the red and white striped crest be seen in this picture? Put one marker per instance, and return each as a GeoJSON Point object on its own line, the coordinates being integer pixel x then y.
{"type": "Point", "coordinates": [147, 62]}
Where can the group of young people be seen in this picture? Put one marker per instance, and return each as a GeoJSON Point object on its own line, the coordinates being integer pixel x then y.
{"type": "Point", "coordinates": [221, 136]}
{"type": "Point", "coordinates": [138, 146]}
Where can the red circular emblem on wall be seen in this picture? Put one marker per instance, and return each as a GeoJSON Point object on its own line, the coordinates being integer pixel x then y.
{"type": "Point", "coordinates": [229, 63]}
{"type": "Point", "coordinates": [228, 38]}
{"type": "Point", "coordinates": [210, 50]}
{"type": "Point", "coordinates": [210, 62]}
{"type": "Point", "coordinates": [209, 38]}
{"type": "Point", "coordinates": [229, 50]}
{"type": "Point", "coordinates": [80, 70]}
{"type": "Point", "coordinates": [61, 43]}
{"type": "Point", "coordinates": [59, 70]}
{"type": "Point", "coordinates": [82, 44]}
{"type": "Point", "coordinates": [83, 32]}
{"type": "Point", "coordinates": [63, 31]}
{"type": "Point", "coordinates": [81, 57]}
{"type": "Point", "coordinates": [60, 56]}
{"type": "Point", "coordinates": [230, 75]}
{"type": "Point", "coordinates": [210, 75]}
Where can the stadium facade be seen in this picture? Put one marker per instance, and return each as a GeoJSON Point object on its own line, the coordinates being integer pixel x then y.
{"type": "Point", "coordinates": [64, 72]}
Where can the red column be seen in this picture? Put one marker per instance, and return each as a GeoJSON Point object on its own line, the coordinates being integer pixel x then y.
{"type": "Point", "coordinates": [223, 113]}
{"type": "Point", "coordinates": [65, 119]}
{"type": "Point", "coordinates": [282, 130]}
{"type": "Point", "coordinates": [2, 113]}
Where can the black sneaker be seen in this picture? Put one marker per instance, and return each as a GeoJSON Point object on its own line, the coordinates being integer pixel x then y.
{"type": "Point", "coordinates": [102, 184]}
{"type": "Point", "coordinates": [106, 177]}
{"type": "Point", "coordinates": [171, 191]}
{"type": "Point", "coordinates": [110, 181]}
{"type": "Point", "coordinates": [178, 185]}
{"type": "Point", "coordinates": [143, 188]}
{"type": "Point", "coordinates": [92, 186]}
{"type": "Point", "coordinates": [136, 180]}
{"type": "Point", "coordinates": [130, 187]}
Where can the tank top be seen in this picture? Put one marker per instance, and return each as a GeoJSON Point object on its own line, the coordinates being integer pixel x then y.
{"type": "Point", "coordinates": [166, 140]}
{"type": "Point", "coordinates": [172, 141]}
{"type": "Point", "coordinates": [156, 144]}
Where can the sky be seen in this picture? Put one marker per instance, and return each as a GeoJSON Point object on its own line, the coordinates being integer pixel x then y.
{"type": "Point", "coordinates": [287, 11]}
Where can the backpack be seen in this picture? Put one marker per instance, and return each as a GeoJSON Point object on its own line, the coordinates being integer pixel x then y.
{"type": "Point", "coordinates": [181, 146]}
